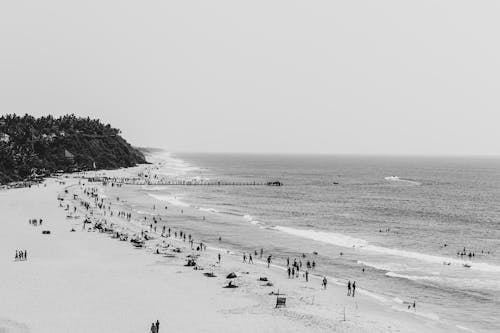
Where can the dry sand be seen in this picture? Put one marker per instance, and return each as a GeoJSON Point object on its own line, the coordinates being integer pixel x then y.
{"type": "Point", "coordinates": [88, 282]}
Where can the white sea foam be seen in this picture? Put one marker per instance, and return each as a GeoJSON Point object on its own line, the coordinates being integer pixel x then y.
{"type": "Point", "coordinates": [398, 300]}
{"type": "Point", "coordinates": [463, 328]}
{"type": "Point", "coordinates": [251, 219]}
{"type": "Point", "coordinates": [210, 210]}
{"type": "Point", "coordinates": [145, 213]}
{"type": "Point", "coordinates": [385, 266]}
{"type": "Point", "coordinates": [174, 200]}
{"type": "Point", "coordinates": [401, 180]}
{"type": "Point", "coordinates": [347, 241]}
{"type": "Point", "coordinates": [479, 283]}
{"type": "Point", "coordinates": [323, 236]}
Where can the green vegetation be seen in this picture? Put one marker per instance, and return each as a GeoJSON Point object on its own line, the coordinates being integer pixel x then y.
{"type": "Point", "coordinates": [36, 147]}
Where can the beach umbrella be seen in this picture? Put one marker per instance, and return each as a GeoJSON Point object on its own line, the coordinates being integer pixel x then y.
{"type": "Point", "coordinates": [231, 276]}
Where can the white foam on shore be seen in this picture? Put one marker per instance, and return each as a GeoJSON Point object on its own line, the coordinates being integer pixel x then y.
{"type": "Point", "coordinates": [210, 210]}
{"type": "Point", "coordinates": [325, 237]}
{"type": "Point", "coordinates": [145, 213]}
{"type": "Point", "coordinates": [250, 218]}
{"type": "Point", "coordinates": [463, 328]}
{"type": "Point", "coordinates": [491, 284]}
{"type": "Point", "coordinates": [351, 242]}
{"type": "Point", "coordinates": [174, 200]}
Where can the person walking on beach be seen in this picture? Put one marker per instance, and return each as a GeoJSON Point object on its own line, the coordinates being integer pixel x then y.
{"type": "Point", "coordinates": [289, 270]}
{"type": "Point", "coordinates": [307, 276]}
{"type": "Point", "coordinates": [268, 260]}
{"type": "Point", "coordinates": [250, 259]}
{"type": "Point", "coordinates": [324, 282]}
{"type": "Point", "coordinates": [293, 272]}
{"type": "Point", "coordinates": [218, 257]}
{"type": "Point", "coordinates": [349, 288]}
{"type": "Point", "coordinates": [244, 257]}
{"type": "Point", "coordinates": [353, 288]}
{"type": "Point", "coordinates": [261, 253]}
{"type": "Point", "coordinates": [157, 326]}
{"type": "Point", "coordinates": [153, 328]}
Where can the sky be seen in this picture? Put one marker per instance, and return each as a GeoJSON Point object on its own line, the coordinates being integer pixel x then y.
{"type": "Point", "coordinates": [330, 77]}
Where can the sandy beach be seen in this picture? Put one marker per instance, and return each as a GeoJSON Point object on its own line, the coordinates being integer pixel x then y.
{"type": "Point", "coordinates": [88, 281]}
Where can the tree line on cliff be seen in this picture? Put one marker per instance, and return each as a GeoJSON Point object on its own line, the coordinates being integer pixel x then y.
{"type": "Point", "coordinates": [32, 147]}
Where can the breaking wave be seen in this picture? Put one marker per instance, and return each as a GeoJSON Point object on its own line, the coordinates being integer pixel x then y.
{"type": "Point", "coordinates": [402, 180]}
{"type": "Point", "coordinates": [351, 242]}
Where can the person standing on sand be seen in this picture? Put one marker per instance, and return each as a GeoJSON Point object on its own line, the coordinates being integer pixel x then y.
{"type": "Point", "coordinates": [289, 271]}
{"type": "Point", "coordinates": [261, 253]}
{"type": "Point", "coordinates": [268, 260]}
{"type": "Point", "coordinates": [250, 259]}
{"type": "Point", "coordinates": [153, 328]}
{"type": "Point", "coordinates": [353, 288]}
{"type": "Point", "coordinates": [349, 288]}
{"type": "Point", "coordinates": [307, 276]}
{"type": "Point", "coordinates": [324, 282]}
{"type": "Point", "coordinates": [218, 257]}
{"type": "Point", "coordinates": [293, 272]}
{"type": "Point", "coordinates": [157, 326]}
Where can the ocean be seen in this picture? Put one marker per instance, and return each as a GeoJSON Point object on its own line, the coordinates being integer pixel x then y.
{"type": "Point", "coordinates": [392, 224]}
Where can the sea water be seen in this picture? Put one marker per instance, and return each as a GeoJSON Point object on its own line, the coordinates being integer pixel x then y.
{"type": "Point", "coordinates": [401, 219]}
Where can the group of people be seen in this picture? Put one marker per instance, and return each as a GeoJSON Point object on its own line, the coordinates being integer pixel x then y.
{"type": "Point", "coordinates": [293, 269]}
{"type": "Point", "coordinates": [467, 253]}
{"type": "Point", "coordinates": [250, 258]}
{"type": "Point", "coordinates": [155, 327]}
{"type": "Point", "coordinates": [21, 255]}
{"type": "Point", "coordinates": [351, 288]}
{"type": "Point", "coordinates": [35, 222]}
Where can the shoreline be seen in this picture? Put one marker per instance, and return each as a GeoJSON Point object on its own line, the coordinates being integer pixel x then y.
{"type": "Point", "coordinates": [309, 308]}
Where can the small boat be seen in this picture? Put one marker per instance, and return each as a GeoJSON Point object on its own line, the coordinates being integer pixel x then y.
{"type": "Point", "coordinates": [467, 266]}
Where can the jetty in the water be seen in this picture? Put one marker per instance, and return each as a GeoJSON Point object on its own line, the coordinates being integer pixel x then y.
{"type": "Point", "coordinates": [178, 182]}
